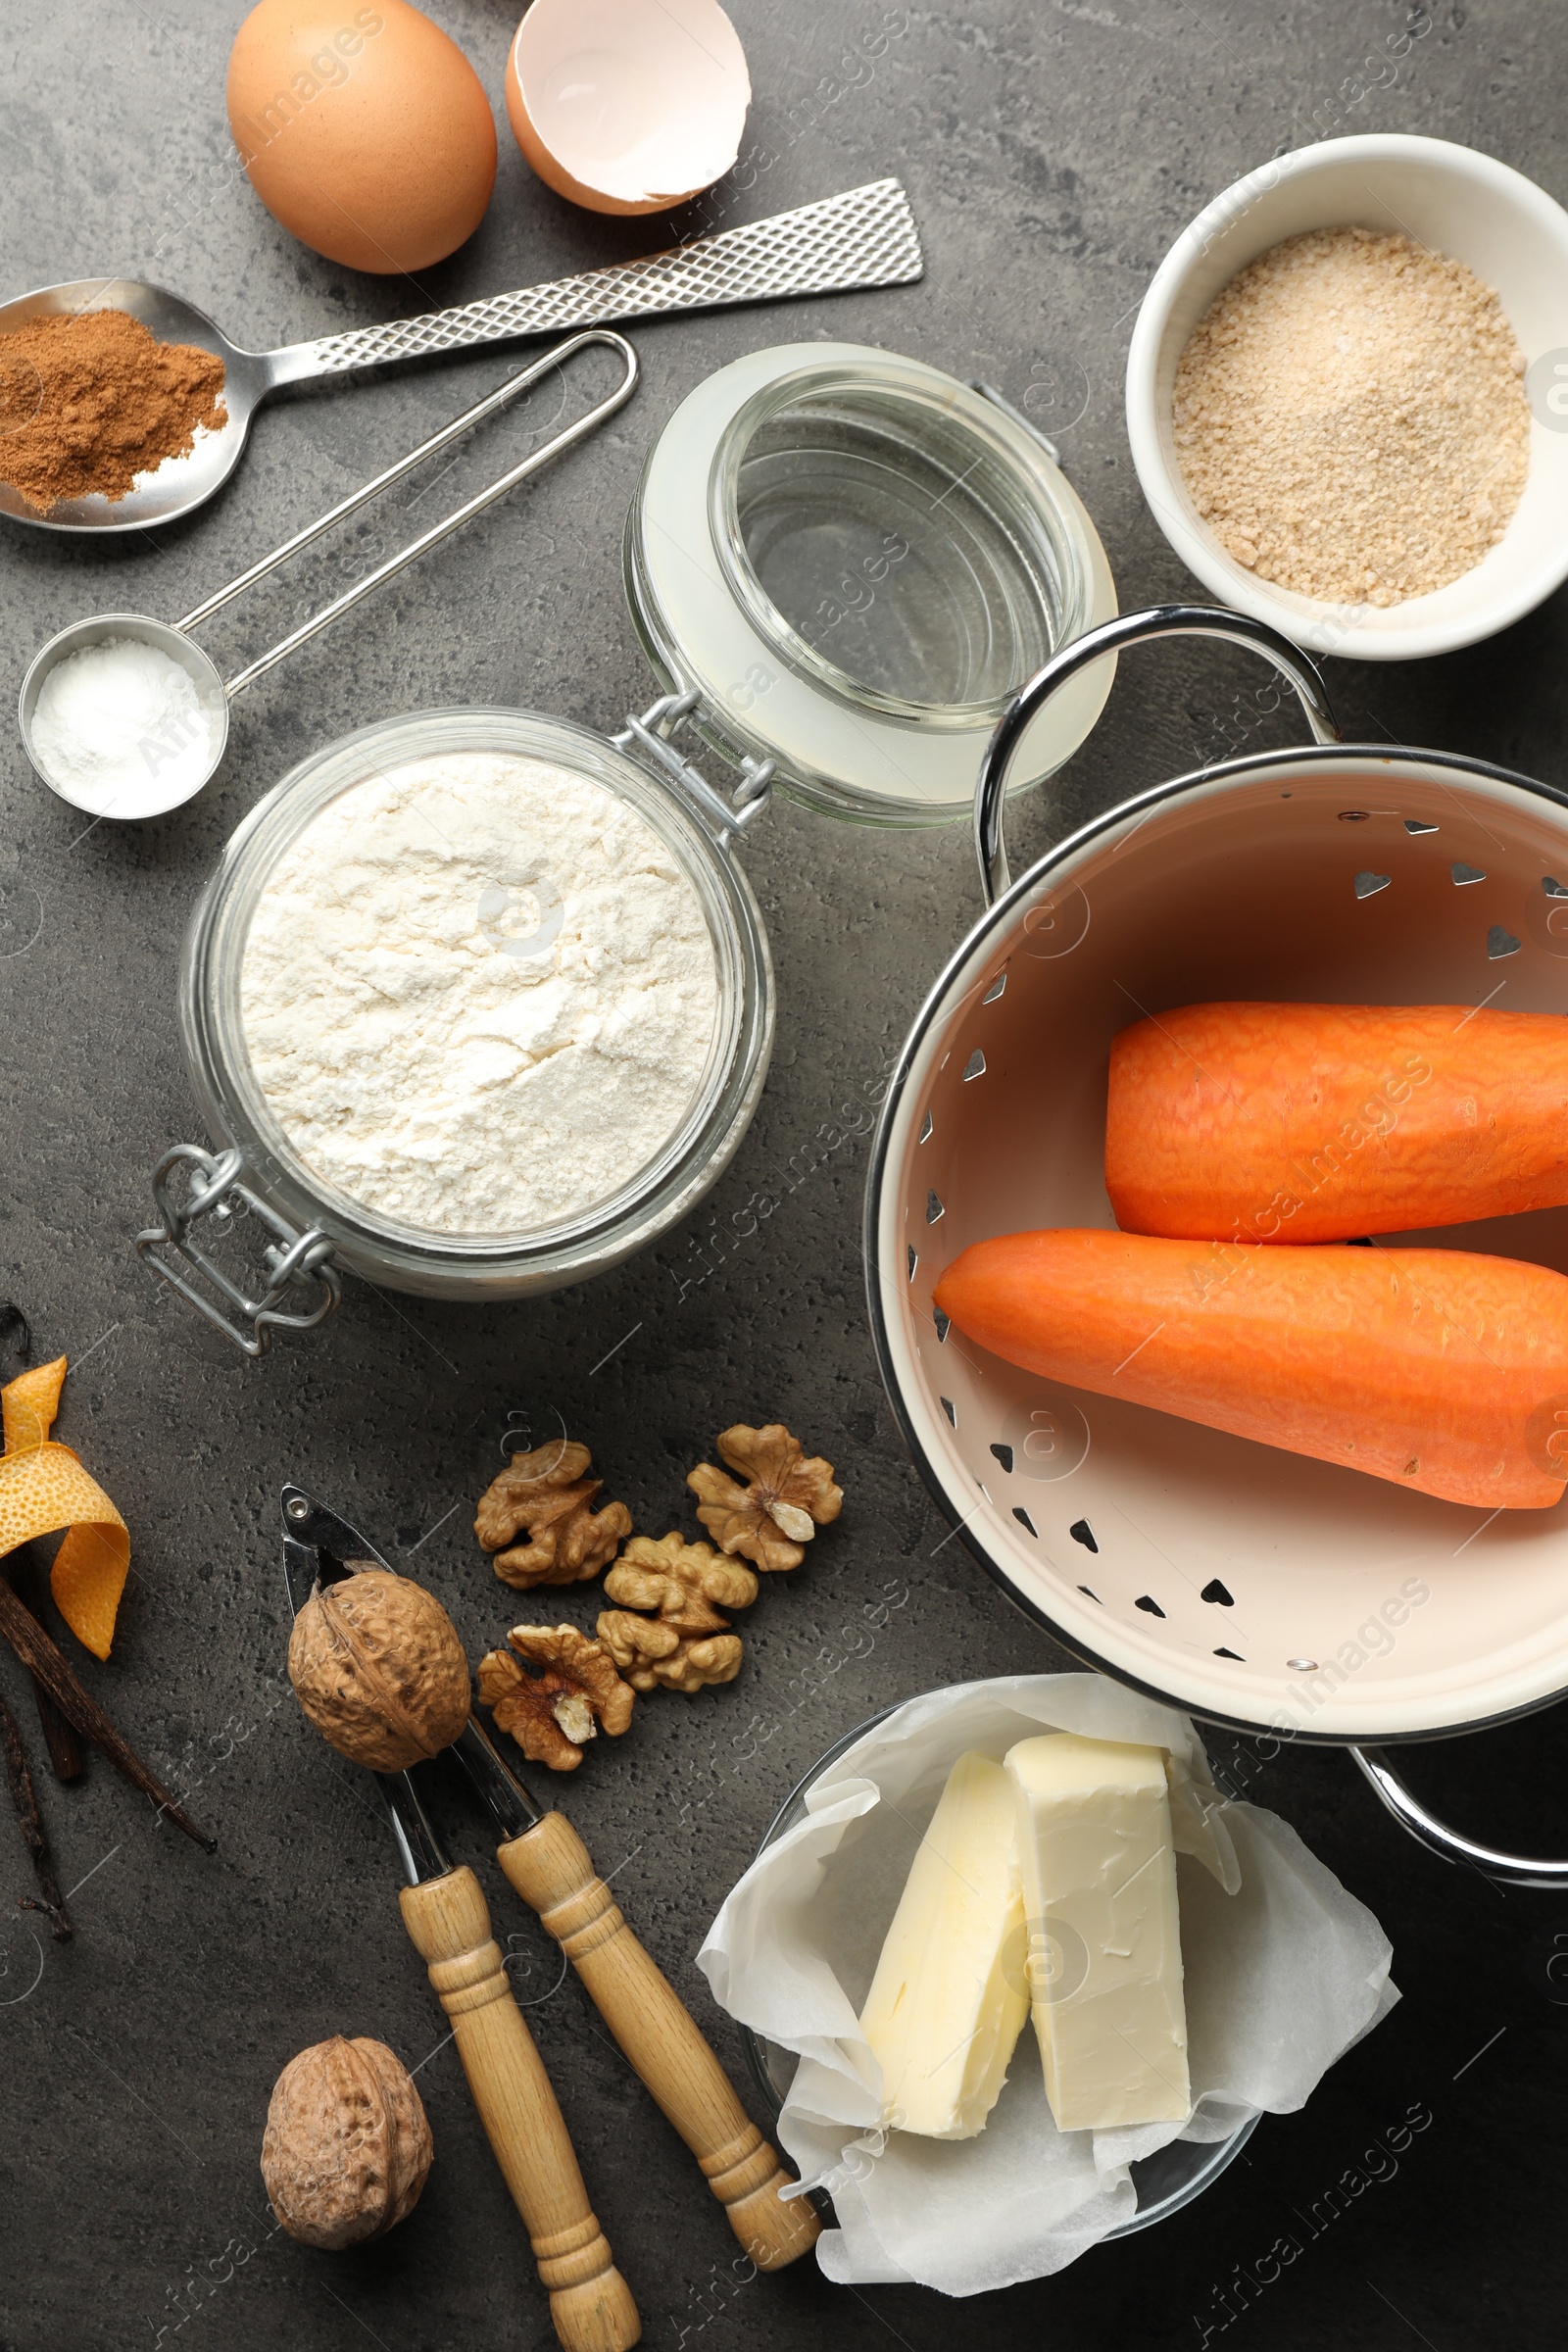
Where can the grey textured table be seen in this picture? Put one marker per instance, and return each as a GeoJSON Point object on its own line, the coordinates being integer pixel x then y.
{"type": "Point", "coordinates": [1052, 153]}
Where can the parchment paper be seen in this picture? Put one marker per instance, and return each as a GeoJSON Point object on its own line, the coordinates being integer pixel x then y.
{"type": "Point", "coordinates": [1284, 1971]}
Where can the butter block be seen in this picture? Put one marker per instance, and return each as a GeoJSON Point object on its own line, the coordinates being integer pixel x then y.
{"type": "Point", "coordinates": [1098, 1867]}
{"type": "Point", "coordinates": [949, 1996]}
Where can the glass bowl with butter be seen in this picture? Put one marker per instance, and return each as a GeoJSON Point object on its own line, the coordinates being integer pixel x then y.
{"type": "Point", "coordinates": [477, 1004]}
{"type": "Point", "coordinates": [1163, 2182]}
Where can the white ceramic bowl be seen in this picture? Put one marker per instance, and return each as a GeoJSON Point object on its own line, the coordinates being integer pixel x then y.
{"type": "Point", "coordinates": [1468, 206]}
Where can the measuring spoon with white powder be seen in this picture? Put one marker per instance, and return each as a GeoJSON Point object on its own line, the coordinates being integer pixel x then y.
{"type": "Point", "coordinates": [126, 716]}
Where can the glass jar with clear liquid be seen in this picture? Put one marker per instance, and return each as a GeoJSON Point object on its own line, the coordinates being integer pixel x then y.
{"type": "Point", "coordinates": [854, 559]}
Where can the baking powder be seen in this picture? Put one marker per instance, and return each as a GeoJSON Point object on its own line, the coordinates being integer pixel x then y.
{"type": "Point", "coordinates": [479, 994]}
{"type": "Point", "coordinates": [119, 728]}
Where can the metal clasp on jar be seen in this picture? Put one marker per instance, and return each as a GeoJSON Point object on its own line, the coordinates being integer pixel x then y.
{"type": "Point", "coordinates": [651, 733]}
{"type": "Point", "coordinates": [295, 1262]}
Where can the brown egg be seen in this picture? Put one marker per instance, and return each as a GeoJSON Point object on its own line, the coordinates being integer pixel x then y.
{"type": "Point", "coordinates": [364, 130]}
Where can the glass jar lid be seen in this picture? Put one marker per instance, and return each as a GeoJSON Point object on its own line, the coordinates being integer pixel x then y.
{"type": "Point", "coordinates": [856, 559]}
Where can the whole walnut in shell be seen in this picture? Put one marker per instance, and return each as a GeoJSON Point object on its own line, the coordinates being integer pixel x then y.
{"type": "Point", "coordinates": [347, 2145]}
{"type": "Point", "coordinates": [377, 1665]}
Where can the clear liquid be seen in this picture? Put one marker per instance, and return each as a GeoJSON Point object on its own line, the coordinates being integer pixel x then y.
{"type": "Point", "coordinates": [897, 547]}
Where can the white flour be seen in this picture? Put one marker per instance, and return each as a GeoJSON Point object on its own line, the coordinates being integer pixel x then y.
{"type": "Point", "coordinates": [479, 994]}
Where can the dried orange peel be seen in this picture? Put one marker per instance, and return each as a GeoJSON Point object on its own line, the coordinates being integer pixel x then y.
{"type": "Point", "coordinates": [44, 1487]}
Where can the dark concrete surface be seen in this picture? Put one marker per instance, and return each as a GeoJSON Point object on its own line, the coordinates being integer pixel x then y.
{"type": "Point", "coordinates": [1053, 153]}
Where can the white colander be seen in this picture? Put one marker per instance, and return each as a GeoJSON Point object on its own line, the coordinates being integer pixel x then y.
{"type": "Point", "coordinates": [1248, 1587]}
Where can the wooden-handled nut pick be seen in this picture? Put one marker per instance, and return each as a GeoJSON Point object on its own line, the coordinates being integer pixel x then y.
{"type": "Point", "coordinates": [548, 1865]}
{"type": "Point", "coordinates": [447, 1921]}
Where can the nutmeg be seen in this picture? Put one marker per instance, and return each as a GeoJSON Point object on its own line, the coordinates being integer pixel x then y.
{"type": "Point", "coordinates": [377, 1665]}
{"type": "Point", "coordinates": [347, 2146]}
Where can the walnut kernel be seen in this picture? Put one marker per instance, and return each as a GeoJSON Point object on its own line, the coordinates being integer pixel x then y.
{"type": "Point", "coordinates": [652, 1653]}
{"type": "Point", "coordinates": [553, 1714]}
{"type": "Point", "coordinates": [548, 1493]}
{"type": "Point", "coordinates": [682, 1580]}
{"type": "Point", "coordinates": [786, 1499]}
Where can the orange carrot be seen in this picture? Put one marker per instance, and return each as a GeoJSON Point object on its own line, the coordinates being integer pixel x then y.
{"type": "Point", "coordinates": [1438, 1369]}
{"type": "Point", "coordinates": [1322, 1122]}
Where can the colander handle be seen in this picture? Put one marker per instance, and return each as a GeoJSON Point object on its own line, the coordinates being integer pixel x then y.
{"type": "Point", "coordinates": [1504, 1869]}
{"type": "Point", "coordinates": [1131, 629]}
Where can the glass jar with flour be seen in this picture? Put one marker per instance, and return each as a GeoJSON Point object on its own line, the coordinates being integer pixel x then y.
{"type": "Point", "coordinates": [477, 1004]}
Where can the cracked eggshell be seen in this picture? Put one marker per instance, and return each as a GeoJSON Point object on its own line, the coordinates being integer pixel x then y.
{"type": "Point", "coordinates": [363, 130]}
{"type": "Point", "coordinates": [624, 106]}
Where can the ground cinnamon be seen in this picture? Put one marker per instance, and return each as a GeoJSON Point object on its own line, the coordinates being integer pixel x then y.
{"type": "Point", "coordinates": [89, 401]}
